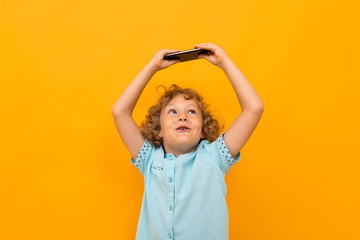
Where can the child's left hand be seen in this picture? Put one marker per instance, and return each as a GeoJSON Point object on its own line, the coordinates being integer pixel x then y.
{"type": "Point", "coordinates": [216, 56]}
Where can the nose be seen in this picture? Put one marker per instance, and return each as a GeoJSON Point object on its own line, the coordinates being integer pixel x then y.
{"type": "Point", "coordinates": [182, 118]}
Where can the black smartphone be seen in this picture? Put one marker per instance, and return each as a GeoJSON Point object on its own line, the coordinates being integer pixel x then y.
{"type": "Point", "coordinates": [186, 55]}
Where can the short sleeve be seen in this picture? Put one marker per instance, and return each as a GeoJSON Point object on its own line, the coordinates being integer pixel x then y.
{"type": "Point", "coordinates": [226, 161]}
{"type": "Point", "coordinates": [142, 157]}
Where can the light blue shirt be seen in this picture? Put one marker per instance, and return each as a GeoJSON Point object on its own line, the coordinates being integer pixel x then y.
{"type": "Point", "coordinates": [184, 197]}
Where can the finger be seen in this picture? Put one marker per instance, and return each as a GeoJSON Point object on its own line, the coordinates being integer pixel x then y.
{"type": "Point", "coordinates": [210, 44]}
{"type": "Point", "coordinates": [198, 45]}
{"type": "Point", "coordinates": [167, 51]}
{"type": "Point", "coordinates": [171, 50]}
{"type": "Point", "coordinates": [205, 46]}
{"type": "Point", "coordinates": [203, 56]}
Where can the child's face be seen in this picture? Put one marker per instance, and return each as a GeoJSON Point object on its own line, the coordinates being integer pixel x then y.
{"type": "Point", "coordinates": [181, 125]}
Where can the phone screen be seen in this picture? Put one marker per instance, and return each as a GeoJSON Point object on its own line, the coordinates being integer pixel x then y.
{"type": "Point", "coordinates": [186, 55]}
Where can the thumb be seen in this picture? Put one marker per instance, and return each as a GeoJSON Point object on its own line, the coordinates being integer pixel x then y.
{"type": "Point", "coordinates": [203, 56]}
{"type": "Point", "coordinates": [174, 62]}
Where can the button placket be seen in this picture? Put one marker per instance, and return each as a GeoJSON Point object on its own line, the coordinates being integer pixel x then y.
{"type": "Point", "coordinates": [171, 192]}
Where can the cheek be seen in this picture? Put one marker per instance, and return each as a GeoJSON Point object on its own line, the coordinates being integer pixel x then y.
{"type": "Point", "coordinates": [200, 122]}
{"type": "Point", "coordinates": [199, 125]}
{"type": "Point", "coordinates": [164, 124]}
{"type": "Point", "coordinates": [161, 129]}
{"type": "Point", "coordinates": [160, 133]}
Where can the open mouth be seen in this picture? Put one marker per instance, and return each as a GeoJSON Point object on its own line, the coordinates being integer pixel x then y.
{"type": "Point", "coordinates": [183, 128]}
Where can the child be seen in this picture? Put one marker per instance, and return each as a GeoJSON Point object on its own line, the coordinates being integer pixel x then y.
{"type": "Point", "coordinates": [179, 152]}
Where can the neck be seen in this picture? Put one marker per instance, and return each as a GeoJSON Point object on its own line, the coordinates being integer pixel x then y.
{"type": "Point", "coordinates": [177, 152]}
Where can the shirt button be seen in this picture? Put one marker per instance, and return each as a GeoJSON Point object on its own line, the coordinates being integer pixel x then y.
{"type": "Point", "coordinates": [170, 207]}
{"type": "Point", "coordinates": [170, 179]}
{"type": "Point", "coordinates": [169, 235]}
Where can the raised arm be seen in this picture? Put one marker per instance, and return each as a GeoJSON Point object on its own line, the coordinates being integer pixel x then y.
{"type": "Point", "coordinates": [251, 105]}
{"type": "Point", "coordinates": [123, 107]}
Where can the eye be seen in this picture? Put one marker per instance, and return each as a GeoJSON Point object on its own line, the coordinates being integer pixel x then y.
{"type": "Point", "coordinates": [172, 111]}
{"type": "Point", "coordinates": [192, 112]}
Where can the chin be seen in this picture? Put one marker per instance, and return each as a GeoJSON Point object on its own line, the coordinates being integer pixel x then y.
{"type": "Point", "coordinates": [188, 144]}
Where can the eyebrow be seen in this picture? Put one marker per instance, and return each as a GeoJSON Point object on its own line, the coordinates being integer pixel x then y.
{"type": "Point", "coordinates": [190, 104]}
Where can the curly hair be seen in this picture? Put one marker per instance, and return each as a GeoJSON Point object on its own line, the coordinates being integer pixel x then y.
{"type": "Point", "coordinates": [150, 127]}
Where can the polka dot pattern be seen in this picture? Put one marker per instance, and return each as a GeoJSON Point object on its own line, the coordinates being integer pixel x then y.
{"type": "Point", "coordinates": [224, 151]}
{"type": "Point", "coordinates": [139, 161]}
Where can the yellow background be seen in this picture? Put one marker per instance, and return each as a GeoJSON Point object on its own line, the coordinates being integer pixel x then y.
{"type": "Point", "coordinates": [65, 174]}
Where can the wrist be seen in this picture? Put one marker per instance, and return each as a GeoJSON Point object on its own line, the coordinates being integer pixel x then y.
{"type": "Point", "coordinates": [227, 61]}
{"type": "Point", "coordinates": [151, 68]}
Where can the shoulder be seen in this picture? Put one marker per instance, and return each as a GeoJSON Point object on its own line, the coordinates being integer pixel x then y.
{"type": "Point", "coordinates": [218, 152]}
{"type": "Point", "coordinates": [207, 146]}
{"type": "Point", "coordinates": [207, 149]}
{"type": "Point", "coordinates": [149, 150]}
{"type": "Point", "coordinates": [146, 156]}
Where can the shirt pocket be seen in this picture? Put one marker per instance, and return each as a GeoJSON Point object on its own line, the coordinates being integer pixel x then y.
{"type": "Point", "coordinates": [157, 168]}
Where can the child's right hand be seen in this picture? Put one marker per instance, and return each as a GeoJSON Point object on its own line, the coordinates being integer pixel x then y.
{"type": "Point", "coordinates": [158, 63]}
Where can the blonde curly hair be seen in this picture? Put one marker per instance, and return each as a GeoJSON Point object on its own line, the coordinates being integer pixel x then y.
{"type": "Point", "coordinates": [150, 127]}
